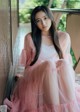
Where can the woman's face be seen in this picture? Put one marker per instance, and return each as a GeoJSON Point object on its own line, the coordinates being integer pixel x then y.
{"type": "Point", "coordinates": [42, 21]}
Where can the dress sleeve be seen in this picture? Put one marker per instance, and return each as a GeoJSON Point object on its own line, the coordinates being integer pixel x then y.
{"type": "Point", "coordinates": [23, 58]}
{"type": "Point", "coordinates": [66, 46]}
{"type": "Point", "coordinates": [25, 54]}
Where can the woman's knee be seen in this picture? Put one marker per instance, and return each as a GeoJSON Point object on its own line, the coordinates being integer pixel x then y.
{"type": "Point", "coordinates": [49, 66]}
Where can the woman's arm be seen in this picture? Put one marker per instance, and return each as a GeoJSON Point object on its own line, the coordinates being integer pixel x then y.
{"type": "Point", "coordinates": [28, 52]}
{"type": "Point", "coordinates": [65, 43]}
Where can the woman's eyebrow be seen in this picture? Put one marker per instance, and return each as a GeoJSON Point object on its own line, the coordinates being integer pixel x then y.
{"type": "Point", "coordinates": [37, 18]}
{"type": "Point", "coordinates": [40, 18]}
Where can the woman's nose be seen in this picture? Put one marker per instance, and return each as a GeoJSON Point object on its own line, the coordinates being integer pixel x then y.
{"type": "Point", "coordinates": [43, 23]}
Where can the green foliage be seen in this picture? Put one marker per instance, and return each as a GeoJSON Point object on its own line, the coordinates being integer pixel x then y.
{"type": "Point", "coordinates": [73, 4]}
{"type": "Point", "coordinates": [73, 57]}
{"type": "Point", "coordinates": [62, 23]}
{"type": "Point", "coordinates": [24, 15]}
{"type": "Point", "coordinates": [56, 4]}
{"type": "Point", "coordinates": [25, 11]}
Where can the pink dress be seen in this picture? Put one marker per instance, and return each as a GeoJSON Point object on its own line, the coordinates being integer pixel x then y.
{"type": "Point", "coordinates": [28, 95]}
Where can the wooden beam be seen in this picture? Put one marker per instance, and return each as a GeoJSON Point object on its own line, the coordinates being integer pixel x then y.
{"type": "Point", "coordinates": [58, 15]}
{"type": "Point", "coordinates": [50, 3]}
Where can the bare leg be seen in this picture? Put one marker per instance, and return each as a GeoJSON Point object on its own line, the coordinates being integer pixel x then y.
{"type": "Point", "coordinates": [67, 79]}
{"type": "Point", "coordinates": [51, 93]}
{"type": "Point", "coordinates": [66, 82]}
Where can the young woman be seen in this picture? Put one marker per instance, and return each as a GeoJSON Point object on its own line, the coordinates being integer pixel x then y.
{"type": "Point", "coordinates": [48, 84]}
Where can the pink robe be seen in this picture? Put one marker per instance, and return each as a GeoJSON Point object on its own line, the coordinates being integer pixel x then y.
{"type": "Point", "coordinates": [28, 95]}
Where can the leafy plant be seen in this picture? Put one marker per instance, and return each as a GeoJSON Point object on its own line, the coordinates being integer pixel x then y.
{"type": "Point", "coordinates": [62, 23]}
{"type": "Point", "coordinates": [25, 11]}
{"type": "Point", "coordinates": [73, 57]}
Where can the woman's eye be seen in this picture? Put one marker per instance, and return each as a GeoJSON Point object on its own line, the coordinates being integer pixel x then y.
{"type": "Point", "coordinates": [46, 18]}
{"type": "Point", "coordinates": [37, 21]}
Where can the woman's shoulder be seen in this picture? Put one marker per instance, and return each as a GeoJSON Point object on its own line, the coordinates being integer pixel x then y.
{"type": "Point", "coordinates": [28, 35]}
{"type": "Point", "coordinates": [28, 41]}
{"type": "Point", "coordinates": [63, 36]}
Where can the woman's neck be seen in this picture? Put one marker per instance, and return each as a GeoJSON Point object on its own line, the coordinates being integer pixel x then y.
{"type": "Point", "coordinates": [46, 34]}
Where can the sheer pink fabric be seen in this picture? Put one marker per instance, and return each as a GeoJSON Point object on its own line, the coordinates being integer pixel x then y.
{"type": "Point", "coordinates": [28, 95]}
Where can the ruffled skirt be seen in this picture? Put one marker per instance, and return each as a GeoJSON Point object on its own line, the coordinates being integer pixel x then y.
{"type": "Point", "coordinates": [29, 93]}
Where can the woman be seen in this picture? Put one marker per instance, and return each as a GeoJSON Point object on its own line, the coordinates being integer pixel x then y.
{"type": "Point", "coordinates": [48, 84]}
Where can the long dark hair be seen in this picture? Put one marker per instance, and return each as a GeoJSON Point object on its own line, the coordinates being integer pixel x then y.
{"type": "Point", "coordinates": [36, 32]}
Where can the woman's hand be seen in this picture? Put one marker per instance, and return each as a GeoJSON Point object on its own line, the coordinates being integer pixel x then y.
{"type": "Point", "coordinates": [8, 103]}
{"type": "Point", "coordinates": [30, 49]}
